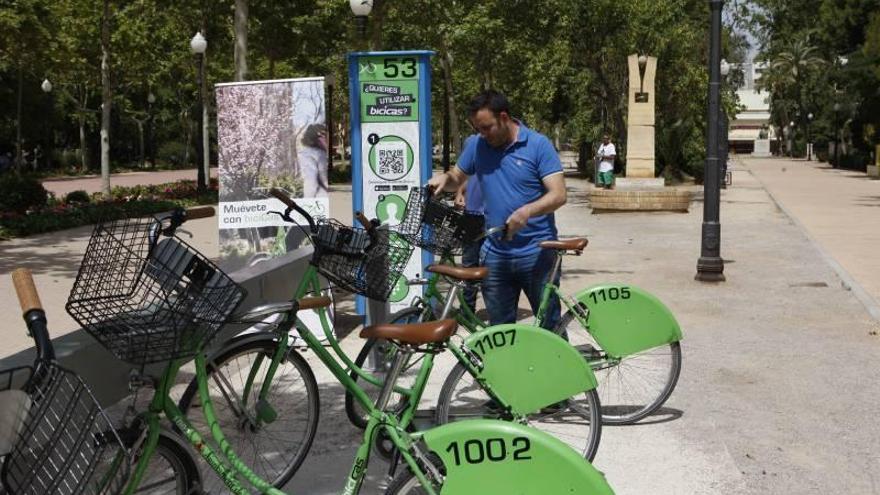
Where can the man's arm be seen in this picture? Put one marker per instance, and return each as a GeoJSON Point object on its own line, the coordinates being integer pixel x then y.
{"type": "Point", "coordinates": [449, 181]}
{"type": "Point", "coordinates": [551, 201]}
{"type": "Point", "coordinates": [461, 195]}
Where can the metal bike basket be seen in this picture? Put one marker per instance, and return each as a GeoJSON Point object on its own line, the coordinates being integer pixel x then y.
{"type": "Point", "coordinates": [62, 442]}
{"type": "Point", "coordinates": [360, 261]}
{"type": "Point", "coordinates": [149, 298]}
{"type": "Point", "coordinates": [437, 226]}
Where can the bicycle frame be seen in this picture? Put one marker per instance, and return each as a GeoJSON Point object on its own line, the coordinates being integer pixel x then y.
{"type": "Point", "coordinates": [226, 463]}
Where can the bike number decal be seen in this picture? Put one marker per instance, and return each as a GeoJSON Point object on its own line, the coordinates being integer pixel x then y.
{"type": "Point", "coordinates": [610, 294]}
{"type": "Point", "coordinates": [477, 451]}
{"type": "Point", "coordinates": [495, 340]}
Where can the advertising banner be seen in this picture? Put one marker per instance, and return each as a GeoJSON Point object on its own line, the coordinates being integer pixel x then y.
{"type": "Point", "coordinates": [391, 136]}
{"type": "Point", "coordinates": [269, 134]}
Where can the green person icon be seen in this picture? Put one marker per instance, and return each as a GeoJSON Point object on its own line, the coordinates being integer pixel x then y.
{"type": "Point", "coordinates": [400, 290]}
{"type": "Point", "coordinates": [390, 208]}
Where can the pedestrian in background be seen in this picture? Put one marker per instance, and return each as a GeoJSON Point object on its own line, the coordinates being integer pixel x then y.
{"type": "Point", "coordinates": [605, 156]}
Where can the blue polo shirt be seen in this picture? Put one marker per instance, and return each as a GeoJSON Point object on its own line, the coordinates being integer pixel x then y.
{"type": "Point", "coordinates": [510, 178]}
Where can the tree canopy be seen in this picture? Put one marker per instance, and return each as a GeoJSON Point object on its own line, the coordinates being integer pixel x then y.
{"type": "Point", "coordinates": [561, 62]}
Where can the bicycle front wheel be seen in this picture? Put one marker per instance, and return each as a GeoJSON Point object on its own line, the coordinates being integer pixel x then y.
{"type": "Point", "coordinates": [271, 435]}
{"type": "Point", "coordinates": [633, 387]}
{"type": "Point", "coordinates": [576, 420]}
{"type": "Point", "coordinates": [171, 471]}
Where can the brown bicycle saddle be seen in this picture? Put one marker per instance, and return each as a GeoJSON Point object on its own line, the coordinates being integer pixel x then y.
{"type": "Point", "coordinates": [460, 272]}
{"type": "Point", "coordinates": [576, 244]}
{"type": "Point", "coordinates": [413, 333]}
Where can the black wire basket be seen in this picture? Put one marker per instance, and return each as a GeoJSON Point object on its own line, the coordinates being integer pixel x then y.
{"type": "Point", "coordinates": [362, 262]}
{"type": "Point", "coordinates": [149, 298]}
{"type": "Point", "coordinates": [436, 226]}
{"type": "Point", "coordinates": [58, 439]}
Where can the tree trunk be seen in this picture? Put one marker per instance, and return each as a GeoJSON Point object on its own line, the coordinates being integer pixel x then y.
{"type": "Point", "coordinates": [18, 150]}
{"type": "Point", "coordinates": [376, 19]}
{"type": "Point", "coordinates": [140, 124]}
{"type": "Point", "coordinates": [241, 34]}
{"type": "Point", "coordinates": [454, 132]}
{"type": "Point", "coordinates": [106, 99]}
{"type": "Point", "coordinates": [82, 141]}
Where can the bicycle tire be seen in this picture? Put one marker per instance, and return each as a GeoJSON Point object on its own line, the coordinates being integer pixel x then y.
{"type": "Point", "coordinates": [171, 471]}
{"type": "Point", "coordinates": [266, 442]}
{"type": "Point", "coordinates": [583, 413]}
{"type": "Point", "coordinates": [634, 387]}
{"type": "Point", "coordinates": [356, 414]}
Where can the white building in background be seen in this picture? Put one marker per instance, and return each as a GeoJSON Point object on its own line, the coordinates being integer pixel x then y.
{"type": "Point", "coordinates": [749, 123]}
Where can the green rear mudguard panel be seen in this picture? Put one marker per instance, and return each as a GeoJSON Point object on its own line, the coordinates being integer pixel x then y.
{"type": "Point", "coordinates": [529, 367]}
{"type": "Point", "coordinates": [625, 319]}
{"type": "Point", "coordinates": [492, 457]}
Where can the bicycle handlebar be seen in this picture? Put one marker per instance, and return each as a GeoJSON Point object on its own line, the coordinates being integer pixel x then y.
{"type": "Point", "coordinates": [291, 205]}
{"type": "Point", "coordinates": [363, 220]}
{"type": "Point", "coordinates": [28, 297]}
{"type": "Point", "coordinates": [32, 311]}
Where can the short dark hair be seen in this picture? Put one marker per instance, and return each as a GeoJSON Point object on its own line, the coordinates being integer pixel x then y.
{"type": "Point", "coordinates": [312, 135]}
{"type": "Point", "coordinates": [489, 99]}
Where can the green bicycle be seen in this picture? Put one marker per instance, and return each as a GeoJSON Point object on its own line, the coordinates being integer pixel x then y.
{"type": "Point", "coordinates": [242, 374]}
{"type": "Point", "coordinates": [629, 337]}
{"type": "Point", "coordinates": [169, 302]}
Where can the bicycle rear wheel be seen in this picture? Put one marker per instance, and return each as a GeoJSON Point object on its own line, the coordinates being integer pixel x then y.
{"type": "Point", "coordinates": [271, 436]}
{"type": "Point", "coordinates": [630, 388]}
{"type": "Point", "coordinates": [576, 421]}
{"type": "Point", "coordinates": [356, 414]}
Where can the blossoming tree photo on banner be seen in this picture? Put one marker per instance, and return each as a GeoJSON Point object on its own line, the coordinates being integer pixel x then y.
{"type": "Point", "coordinates": [270, 134]}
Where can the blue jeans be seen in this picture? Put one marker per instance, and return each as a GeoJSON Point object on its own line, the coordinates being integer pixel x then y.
{"type": "Point", "coordinates": [509, 276]}
{"type": "Point", "coordinates": [470, 257]}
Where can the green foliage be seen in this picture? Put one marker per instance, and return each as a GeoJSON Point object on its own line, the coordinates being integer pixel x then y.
{"type": "Point", "coordinates": [824, 59]}
{"type": "Point", "coordinates": [78, 208]}
{"type": "Point", "coordinates": [20, 193]}
{"type": "Point", "coordinates": [176, 154]}
{"type": "Point", "coordinates": [78, 196]}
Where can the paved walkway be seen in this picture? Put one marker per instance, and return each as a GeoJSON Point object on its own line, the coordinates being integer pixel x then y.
{"type": "Point", "coordinates": [839, 209]}
{"type": "Point", "coordinates": [780, 380]}
{"type": "Point", "coordinates": [92, 183]}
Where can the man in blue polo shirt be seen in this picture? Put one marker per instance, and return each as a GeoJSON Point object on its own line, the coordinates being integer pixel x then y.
{"type": "Point", "coordinates": [521, 178]}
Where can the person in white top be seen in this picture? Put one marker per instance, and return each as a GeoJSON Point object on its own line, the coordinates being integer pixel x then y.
{"type": "Point", "coordinates": [605, 156]}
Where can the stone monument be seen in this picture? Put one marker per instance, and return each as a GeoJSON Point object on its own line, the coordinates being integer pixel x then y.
{"type": "Point", "coordinates": [640, 190]}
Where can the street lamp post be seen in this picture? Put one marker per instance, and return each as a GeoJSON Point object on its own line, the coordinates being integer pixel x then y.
{"type": "Point", "coordinates": [791, 139]}
{"type": "Point", "coordinates": [723, 143]}
{"type": "Point", "coordinates": [198, 45]}
{"type": "Point", "coordinates": [50, 142]}
{"type": "Point", "coordinates": [809, 137]}
{"type": "Point", "coordinates": [361, 9]}
{"type": "Point", "coordinates": [710, 266]}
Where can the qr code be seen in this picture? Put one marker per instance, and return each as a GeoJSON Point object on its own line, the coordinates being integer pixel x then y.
{"type": "Point", "coordinates": [391, 161]}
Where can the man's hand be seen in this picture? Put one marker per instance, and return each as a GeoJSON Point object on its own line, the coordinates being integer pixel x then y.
{"type": "Point", "coordinates": [459, 202]}
{"type": "Point", "coordinates": [449, 181]}
{"type": "Point", "coordinates": [438, 182]}
{"type": "Point", "coordinates": [517, 220]}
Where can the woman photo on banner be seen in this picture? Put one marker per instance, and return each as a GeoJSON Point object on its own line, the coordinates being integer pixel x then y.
{"type": "Point", "coordinates": [312, 160]}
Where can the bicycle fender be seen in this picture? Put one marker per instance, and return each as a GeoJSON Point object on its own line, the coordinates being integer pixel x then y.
{"type": "Point", "coordinates": [528, 367]}
{"type": "Point", "coordinates": [494, 457]}
{"type": "Point", "coordinates": [625, 319]}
